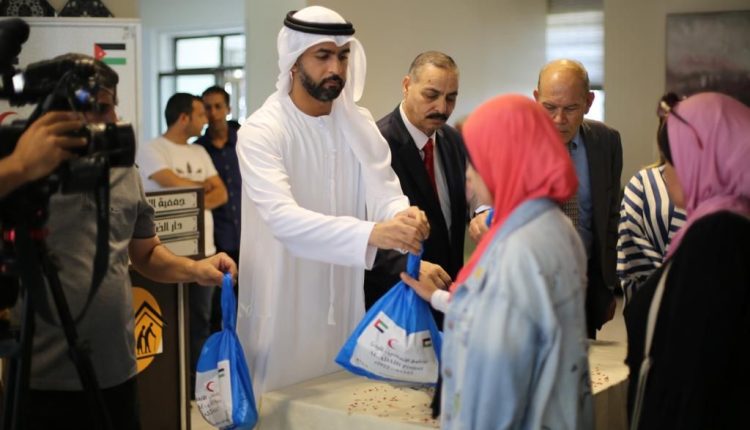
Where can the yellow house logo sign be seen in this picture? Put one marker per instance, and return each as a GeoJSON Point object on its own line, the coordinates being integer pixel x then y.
{"type": "Point", "coordinates": [148, 328]}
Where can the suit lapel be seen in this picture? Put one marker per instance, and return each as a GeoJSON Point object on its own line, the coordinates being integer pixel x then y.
{"type": "Point", "coordinates": [451, 169]}
{"type": "Point", "coordinates": [597, 174]}
{"type": "Point", "coordinates": [413, 163]}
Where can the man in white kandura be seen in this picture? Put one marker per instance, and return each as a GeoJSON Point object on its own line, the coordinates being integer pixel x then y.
{"type": "Point", "coordinates": [318, 198]}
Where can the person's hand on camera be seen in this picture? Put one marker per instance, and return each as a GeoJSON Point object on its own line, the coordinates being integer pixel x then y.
{"type": "Point", "coordinates": [39, 150]}
{"type": "Point", "coordinates": [46, 143]}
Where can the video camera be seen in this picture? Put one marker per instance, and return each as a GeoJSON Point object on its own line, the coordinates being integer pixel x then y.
{"type": "Point", "coordinates": [68, 82]}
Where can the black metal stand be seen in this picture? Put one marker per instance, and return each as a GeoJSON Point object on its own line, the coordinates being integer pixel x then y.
{"type": "Point", "coordinates": [35, 265]}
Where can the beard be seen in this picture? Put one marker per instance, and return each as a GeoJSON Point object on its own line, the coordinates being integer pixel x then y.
{"type": "Point", "coordinates": [318, 90]}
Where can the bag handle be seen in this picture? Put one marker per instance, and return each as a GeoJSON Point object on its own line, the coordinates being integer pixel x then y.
{"type": "Point", "coordinates": [228, 303]}
{"type": "Point", "coordinates": [413, 262]}
{"type": "Point", "coordinates": [653, 312]}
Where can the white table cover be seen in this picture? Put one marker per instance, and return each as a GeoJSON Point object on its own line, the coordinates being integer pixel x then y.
{"type": "Point", "coordinates": [343, 401]}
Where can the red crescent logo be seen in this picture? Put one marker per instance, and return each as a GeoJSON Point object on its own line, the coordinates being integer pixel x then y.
{"type": "Point", "coordinates": [391, 342]}
{"type": "Point", "coordinates": [210, 386]}
{"type": "Point", "coordinates": [5, 115]}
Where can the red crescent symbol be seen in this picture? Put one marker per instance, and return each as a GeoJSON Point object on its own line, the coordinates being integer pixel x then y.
{"type": "Point", "coordinates": [210, 386]}
{"type": "Point", "coordinates": [5, 115]}
{"type": "Point", "coordinates": [391, 342]}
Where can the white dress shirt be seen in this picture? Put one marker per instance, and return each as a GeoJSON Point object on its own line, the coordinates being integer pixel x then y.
{"type": "Point", "coordinates": [420, 139]}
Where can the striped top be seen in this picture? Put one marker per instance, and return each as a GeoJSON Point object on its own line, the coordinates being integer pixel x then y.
{"type": "Point", "coordinates": [648, 220]}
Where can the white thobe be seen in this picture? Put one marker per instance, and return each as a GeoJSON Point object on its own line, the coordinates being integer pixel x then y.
{"type": "Point", "coordinates": [307, 215]}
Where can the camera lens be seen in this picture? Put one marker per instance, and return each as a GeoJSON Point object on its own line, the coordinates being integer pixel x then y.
{"type": "Point", "coordinates": [117, 141]}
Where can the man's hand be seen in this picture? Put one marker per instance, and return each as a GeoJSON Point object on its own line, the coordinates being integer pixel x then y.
{"type": "Point", "coordinates": [420, 217]}
{"type": "Point", "coordinates": [431, 278]}
{"type": "Point", "coordinates": [210, 271]}
{"type": "Point", "coordinates": [155, 261]}
{"type": "Point", "coordinates": [216, 193]}
{"type": "Point", "coordinates": [435, 275]}
{"type": "Point", "coordinates": [610, 310]}
{"type": "Point", "coordinates": [478, 226]}
{"type": "Point", "coordinates": [44, 145]}
{"type": "Point", "coordinates": [405, 231]}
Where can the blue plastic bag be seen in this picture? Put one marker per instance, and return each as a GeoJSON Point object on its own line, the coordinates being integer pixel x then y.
{"type": "Point", "coordinates": [223, 390]}
{"type": "Point", "coordinates": [398, 339]}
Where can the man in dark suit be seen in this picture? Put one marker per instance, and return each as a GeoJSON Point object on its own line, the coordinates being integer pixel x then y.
{"type": "Point", "coordinates": [430, 160]}
{"type": "Point", "coordinates": [596, 150]}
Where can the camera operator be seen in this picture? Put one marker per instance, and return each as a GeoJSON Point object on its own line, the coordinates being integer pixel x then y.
{"type": "Point", "coordinates": [56, 395]}
{"type": "Point", "coordinates": [40, 150]}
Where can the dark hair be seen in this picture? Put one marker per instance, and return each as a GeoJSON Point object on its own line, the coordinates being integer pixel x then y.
{"type": "Point", "coordinates": [662, 140]}
{"type": "Point", "coordinates": [436, 58]}
{"type": "Point", "coordinates": [105, 77]}
{"type": "Point", "coordinates": [178, 104]}
{"type": "Point", "coordinates": [665, 107]}
{"type": "Point", "coordinates": [217, 90]}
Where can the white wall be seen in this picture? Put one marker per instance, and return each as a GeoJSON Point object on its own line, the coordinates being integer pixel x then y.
{"type": "Point", "coordinates": [161, 18]}
{"type": "Point", "coordinates": [635, 68]}
{"type": "Point", "coordinates": [263, 20]}
{"type": "Point", "coordinates": [498, 45]}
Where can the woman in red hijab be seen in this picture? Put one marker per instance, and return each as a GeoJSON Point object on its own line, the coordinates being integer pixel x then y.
{"type": "Point", "coordinates": [514, 348]}
{"type": "Point", "coordinates": [696, 307]}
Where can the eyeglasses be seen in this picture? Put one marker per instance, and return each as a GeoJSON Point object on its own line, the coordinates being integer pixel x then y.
{"type": "Point", "coordinates": [666, 107]}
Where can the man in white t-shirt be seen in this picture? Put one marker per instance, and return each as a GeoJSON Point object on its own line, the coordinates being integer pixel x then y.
{"type": "Point", "coordinates": [170, 161]}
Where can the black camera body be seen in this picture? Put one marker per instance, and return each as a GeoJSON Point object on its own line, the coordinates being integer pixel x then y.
{"type": "Point", "coordinates": [69, 82]}
{"type": "Point", "coordinates": [107, 145]}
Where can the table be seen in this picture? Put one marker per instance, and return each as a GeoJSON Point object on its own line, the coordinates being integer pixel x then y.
{"type": "Point", "coordinates": [609, 382]}
{"type": "Point", "coordinates": [343, 401]}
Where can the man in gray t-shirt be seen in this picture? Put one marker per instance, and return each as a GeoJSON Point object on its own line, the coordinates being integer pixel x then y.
{"type": "Point", "coordinates": [56, 395]}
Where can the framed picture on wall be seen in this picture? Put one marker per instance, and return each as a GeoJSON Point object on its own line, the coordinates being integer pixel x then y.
{"type": "Point", "coordinates": [709, 52]}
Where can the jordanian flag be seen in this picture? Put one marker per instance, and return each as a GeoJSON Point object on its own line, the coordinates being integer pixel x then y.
{"type": "Point", "coordinates": [110, 53]}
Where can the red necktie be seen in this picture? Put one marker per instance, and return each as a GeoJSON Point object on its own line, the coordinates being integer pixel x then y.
{"type": "Point", "coordinates": [429, 162]}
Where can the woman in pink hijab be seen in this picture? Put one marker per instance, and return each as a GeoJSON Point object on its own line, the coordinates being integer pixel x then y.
{"type": "Point", "coordinates": [694, 369]}
{"type": "Point", "coordinates": [514, 347]}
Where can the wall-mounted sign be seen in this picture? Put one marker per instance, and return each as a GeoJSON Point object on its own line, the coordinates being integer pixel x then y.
{"type": "Point", "coordinates": [173, 202]}
{"type": "Point", "coordinates": [149, 325]}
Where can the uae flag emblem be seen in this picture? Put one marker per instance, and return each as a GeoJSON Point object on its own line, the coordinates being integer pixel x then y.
{"type": "Point", "coordinates": [381, 326]}
{"type": "Point", "coordinates": [110, 53]}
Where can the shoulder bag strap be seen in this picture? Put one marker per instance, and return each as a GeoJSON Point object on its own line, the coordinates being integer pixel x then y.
{"type": "Point", "coordinates": [653, 312]}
